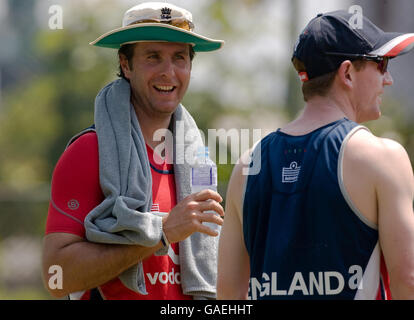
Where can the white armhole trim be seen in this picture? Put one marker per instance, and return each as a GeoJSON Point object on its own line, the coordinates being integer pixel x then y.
{"type": "Point", "coordinates": [242, 200]}
{"type": "Point", "coordinates": [341, 179]}
{"type": "Point", "coordinates": [246, 177]}
{"type": "Point", "coordinates": [76, 295]}
{"type": "Point", "coordinates": [368, 287]}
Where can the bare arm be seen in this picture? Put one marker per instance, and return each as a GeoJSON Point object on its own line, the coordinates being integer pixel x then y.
{"type": "Point", "coordinates": [86, 265]}
{"type": "Point", "coordinates": [379, 178]}
{"type": "Point", "coordinates": [395, 194]}
{"type": "Point", "coordinates": [233, 260]}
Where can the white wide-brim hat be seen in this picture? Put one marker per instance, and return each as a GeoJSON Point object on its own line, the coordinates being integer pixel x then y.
{"type": "Point", "coordinates": [158, 22]}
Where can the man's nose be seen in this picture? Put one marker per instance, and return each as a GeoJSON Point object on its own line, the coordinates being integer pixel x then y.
{"type": "Point", "coordinates": [388, 80]}
{"type": "Point", "coordinates": [167, 68]}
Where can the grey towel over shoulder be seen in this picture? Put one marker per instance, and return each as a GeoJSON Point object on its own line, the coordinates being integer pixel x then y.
{"type": "Point", "coordinates": [124, 216]}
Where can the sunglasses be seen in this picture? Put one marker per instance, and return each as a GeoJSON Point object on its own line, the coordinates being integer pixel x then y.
{"type": "Point", "coordinates": [382, 62]}
{"type": "Point", "coordinates": [179, 23]}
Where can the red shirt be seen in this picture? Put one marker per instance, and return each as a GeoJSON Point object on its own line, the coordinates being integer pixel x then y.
{"type": "Point", "coordinates": [76, 191]}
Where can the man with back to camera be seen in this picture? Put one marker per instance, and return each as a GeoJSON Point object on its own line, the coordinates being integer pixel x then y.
{"type": "Point", "coordinates": [332, 206]}
{"type": "Point", "coordinates": [107, 227]}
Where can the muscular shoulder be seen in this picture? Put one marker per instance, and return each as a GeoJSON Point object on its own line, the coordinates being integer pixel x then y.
{"type": "Point", "coordinates": [378, 143]}
{"type": "Point", "coordinates": [379, 156]}
{"type": "Point", "coordinates": [363, 146]}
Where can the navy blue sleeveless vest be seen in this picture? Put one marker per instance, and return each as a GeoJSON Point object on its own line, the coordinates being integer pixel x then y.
{"type": "Point", "coordinates": [304, 237]}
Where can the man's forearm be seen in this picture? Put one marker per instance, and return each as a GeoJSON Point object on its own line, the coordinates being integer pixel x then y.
{"type": "Point", "coordinates": [86, 265]}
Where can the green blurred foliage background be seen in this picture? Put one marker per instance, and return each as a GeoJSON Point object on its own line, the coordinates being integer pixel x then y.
{"type": "Point", "coordinates": [49, 79]}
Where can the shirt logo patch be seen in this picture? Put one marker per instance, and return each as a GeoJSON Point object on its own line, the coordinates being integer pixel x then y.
{"type": "Point", "coordinates": [73, 204]}
{"type": "Point", "coordinates": [291, 174]}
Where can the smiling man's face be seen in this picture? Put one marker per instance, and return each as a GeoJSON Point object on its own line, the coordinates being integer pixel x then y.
{"type": "Point", "coordinates": [159, 76]}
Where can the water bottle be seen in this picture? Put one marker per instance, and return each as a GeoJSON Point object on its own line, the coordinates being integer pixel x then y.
{"type": "Point", "coordinates": [203, 172]}
{"type": "Point", "coordinates": [204, 176]}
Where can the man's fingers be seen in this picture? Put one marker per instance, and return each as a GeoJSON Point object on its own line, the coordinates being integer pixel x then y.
{"type": "Point", "coordinates": [204, 229]}
{"type": "Point", "coordinates": [211, 205]}
{"type": "Point", "coordinates": [210, 217]}
{"type": "Point", "coordinates": [207, 194]}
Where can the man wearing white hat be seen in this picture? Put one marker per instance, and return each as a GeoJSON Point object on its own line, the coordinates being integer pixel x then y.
{"type": "Point", "coordinates": [122, 221]}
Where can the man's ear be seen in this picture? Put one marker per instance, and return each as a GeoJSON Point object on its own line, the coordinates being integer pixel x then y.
{"type": "Point", "coordinates": [124, 63]}
{"type": "Point", "coordinates": [346, 73]}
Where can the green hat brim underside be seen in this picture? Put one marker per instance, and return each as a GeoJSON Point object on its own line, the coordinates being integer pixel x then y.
{"type": "Point", "coordinates": [156, 32]}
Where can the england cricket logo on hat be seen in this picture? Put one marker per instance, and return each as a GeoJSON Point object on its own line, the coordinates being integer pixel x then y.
{"type": "Point", "coordinates": [166, 13]}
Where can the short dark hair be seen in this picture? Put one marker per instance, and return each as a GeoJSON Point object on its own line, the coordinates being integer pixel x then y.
{"type": "Point", "coordinates": [128, 51]}
{"type": "Point", "coordinates": [321, 85]}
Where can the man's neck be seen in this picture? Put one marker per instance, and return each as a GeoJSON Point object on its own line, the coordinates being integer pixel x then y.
{"type": "Point", "coordinates": [150, 124]}
{"type": "Point", "coordinates": [318, 112]}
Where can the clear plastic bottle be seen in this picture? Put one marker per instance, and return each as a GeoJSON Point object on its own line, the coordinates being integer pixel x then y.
{"type": "Point", "coordinates": [204, 176]}
{"type": "Point", "coordinates": [203, 172]}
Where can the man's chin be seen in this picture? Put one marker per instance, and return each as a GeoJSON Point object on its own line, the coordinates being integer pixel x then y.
{"type": "Point", "coordinates": [167, 108]}
{"type": "Point", "coordinates": [369, 116]}
{"type": "Point", "coordinates": [374, 116]}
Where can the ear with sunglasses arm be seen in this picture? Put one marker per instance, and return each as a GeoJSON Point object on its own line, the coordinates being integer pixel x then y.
{"type": "Point", "coordinates": [381, 61]}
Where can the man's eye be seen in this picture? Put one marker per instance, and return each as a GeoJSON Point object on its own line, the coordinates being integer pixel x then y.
{"type": "Point", "coordinates": [181, 58]}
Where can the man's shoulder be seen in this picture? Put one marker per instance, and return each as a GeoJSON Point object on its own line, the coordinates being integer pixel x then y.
{"type": "Point", "coordinates": [75, 188]}
{"type": "Point", "coordinates": [85, 137]}
{"type": "Point", "coordinates": [242, 168]}
{"type": "Point", "coordinates": [366, 149]}
{"type": "Point", "coordinates": [85, 143]}
{"type": "Point", "coordinates": [81, 153]}
{"type": "Point", "coordinates": [367, 140]}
